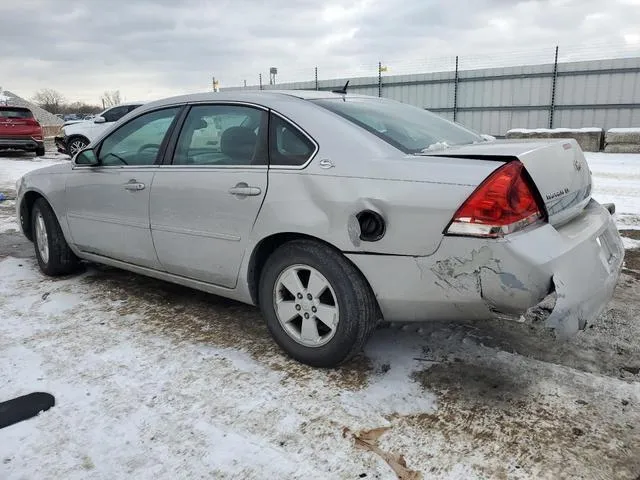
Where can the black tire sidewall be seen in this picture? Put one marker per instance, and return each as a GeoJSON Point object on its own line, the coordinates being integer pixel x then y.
{"type": "Point", "coordinates": [39, 209]}
{"type": "Point", "coordinates": [350, 299]}
{"type": "Point", "coordinates": [62, 260]}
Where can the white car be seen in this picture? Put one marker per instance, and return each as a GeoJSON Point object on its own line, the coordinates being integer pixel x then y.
{"type": "Point", "coordinates": [76, 136]}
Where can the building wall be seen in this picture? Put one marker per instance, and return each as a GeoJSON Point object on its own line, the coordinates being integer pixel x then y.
{"type": "Point", "coordinates": [599, 93]}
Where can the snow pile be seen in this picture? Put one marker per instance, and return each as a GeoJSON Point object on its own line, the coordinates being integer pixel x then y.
{"type": "Point", "coordinates": [624, 130]}
{"type": "Point", "coordinates": [434, 147]}
{"type": "Point", "coordinates": [556, 130]}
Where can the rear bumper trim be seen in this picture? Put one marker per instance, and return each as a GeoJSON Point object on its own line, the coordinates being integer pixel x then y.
{"type": "Point", "coordinates": [20, 143]}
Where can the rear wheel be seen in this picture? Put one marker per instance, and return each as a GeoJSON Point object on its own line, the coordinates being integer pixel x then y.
{"type": "Point", "coordinates": [75, 144]}
{"type": "Point", "coordinates": [52, 251]}
{"type": "Point", "coordinates": [40, 152]}
{"type": "Point", "coordinates": [318, 306]}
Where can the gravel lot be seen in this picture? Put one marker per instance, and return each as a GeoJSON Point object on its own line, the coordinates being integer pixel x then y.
{"type": "Point", "coordinates": [155, 381]}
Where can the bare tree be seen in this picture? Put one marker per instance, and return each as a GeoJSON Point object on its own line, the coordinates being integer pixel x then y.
{"type": "Point", "coordinates": [111, 99]}
{"type": "Point", "coordinates": [49, 99]}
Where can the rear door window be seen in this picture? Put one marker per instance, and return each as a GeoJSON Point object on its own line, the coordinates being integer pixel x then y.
{"type": "Point", "coordinates": [288, 146]}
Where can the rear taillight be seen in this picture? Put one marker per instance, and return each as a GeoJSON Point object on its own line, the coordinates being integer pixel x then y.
{"type": "Point", "coordinates": [504, 203]}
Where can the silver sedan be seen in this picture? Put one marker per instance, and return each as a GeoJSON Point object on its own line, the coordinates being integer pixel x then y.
{"type": "Point", "coordinates": [331, 212]}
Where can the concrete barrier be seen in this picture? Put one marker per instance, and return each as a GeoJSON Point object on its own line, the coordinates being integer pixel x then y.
{"type": "Point", "coordinates": [622, 140]}
{"type": "Point", "coordinates": [589, 139]}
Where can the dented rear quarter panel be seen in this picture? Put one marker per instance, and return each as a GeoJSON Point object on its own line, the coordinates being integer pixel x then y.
{"type": "Point", "coordinates": [417, 197]}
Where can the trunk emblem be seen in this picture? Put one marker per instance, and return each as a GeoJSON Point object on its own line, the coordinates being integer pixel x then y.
{"type": "Point", "coordinates": [577, 164]}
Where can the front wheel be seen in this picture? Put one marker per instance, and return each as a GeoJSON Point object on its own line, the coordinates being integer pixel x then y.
{"type": "Point", "coordinates": [52, 251]}
{"type": "Point", "coordinates": [317, 305]}
{"type": "Point", "coordinates": [40, 152]}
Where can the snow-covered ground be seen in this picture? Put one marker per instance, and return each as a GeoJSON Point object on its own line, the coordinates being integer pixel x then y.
{"type": "Point", "coordinates": [158, 381]}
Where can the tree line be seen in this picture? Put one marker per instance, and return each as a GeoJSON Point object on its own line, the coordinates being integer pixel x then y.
{"type": "Point", "coordinates": [54, 102]}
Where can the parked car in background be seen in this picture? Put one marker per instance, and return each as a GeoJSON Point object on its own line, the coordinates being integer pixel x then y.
{"type": "Point", "coordinates": [330, 212]}
{"type": "Point", "coordinates": [79, 133]}
{"type": "Point", "coordinates": [19, 130]}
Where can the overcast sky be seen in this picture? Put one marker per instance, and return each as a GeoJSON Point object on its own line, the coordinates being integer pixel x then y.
{"type": "Point", "coordinates": [154, 48]}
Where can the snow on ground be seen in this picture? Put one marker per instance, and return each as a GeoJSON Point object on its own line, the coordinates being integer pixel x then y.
{"type": "Point", "coordinates": [153, 380]}
{"type": "Point", "coordinates": [616, 178]}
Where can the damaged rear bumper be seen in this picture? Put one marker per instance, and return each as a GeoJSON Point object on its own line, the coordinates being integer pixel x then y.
{"type": "Point", "coordinates": [472, 278]}
{"type": "Point", "coordinates": [61, 144]}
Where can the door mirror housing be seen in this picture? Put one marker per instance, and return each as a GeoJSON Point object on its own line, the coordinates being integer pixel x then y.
{"type": "Point", "coordinates": [99, 119]}
{"type": "Point", "coordinates": [87, 157]}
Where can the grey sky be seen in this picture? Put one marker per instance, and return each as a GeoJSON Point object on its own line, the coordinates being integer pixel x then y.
{"type": "Point", "coordinates": [154, 48]}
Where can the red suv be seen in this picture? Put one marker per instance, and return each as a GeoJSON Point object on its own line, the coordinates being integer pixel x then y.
{"type": "Point", "coordinates": [19, 130]}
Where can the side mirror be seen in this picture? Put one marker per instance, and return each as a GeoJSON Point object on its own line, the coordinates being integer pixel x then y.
{"type": "Point", "coordinates": [99, 120]}
{"type": "Point", "coordinates": [86, 157]}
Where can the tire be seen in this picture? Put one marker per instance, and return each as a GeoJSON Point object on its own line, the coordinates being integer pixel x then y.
{"type": "Point", "coordinates": [40, 152]}
{"type": "Point", "coordinates": [357, 310]}
{"type": "Point", "coordinates": [57, 259]}
{"type": "Point", "coordinates": [75, 144]}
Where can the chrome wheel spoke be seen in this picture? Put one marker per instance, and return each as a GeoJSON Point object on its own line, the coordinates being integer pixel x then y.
{"type": "Point", "coordinates": [291, 282]}
{"type": "Point", "coordinates": [309, 331]}
{"type": "Point", "coordinates": [286, 310]}
{"type": "Point", "coordinates": [317, 284]}
{"type": "Point", "coordinates": [328, 315]}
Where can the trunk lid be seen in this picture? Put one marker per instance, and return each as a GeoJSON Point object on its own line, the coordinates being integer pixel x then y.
{"type": "Point", "coordinates": [557, 167]}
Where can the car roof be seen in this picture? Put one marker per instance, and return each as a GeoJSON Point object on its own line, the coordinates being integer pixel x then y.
{"type": "Point", "coordinates": [249, 96]}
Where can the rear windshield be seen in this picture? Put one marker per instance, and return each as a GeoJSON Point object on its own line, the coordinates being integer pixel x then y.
{"type": "Point", "coordinates": [410, 129]}
{"type": "Point", "coordinates": [15, 113]}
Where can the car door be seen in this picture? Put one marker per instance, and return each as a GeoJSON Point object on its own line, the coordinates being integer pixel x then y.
{"type": "Point", "coordinates": [204, 204]}
{"type": "Point", "coordinates": [108, 204]}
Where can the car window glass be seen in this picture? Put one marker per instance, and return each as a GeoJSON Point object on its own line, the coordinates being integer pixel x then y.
{"type": "Point", "coordinates": [222, 135]}
{"type": "Point", "coordinates": [408, 128]}
{"type": "Point", "coordinates": [115, 114]}
{"type": "Point", "coordinates": [15, 113]}
{"type": "Point", "coordinates": [287, 144]}
{"type": "Point", "coordinates": [137, 142]}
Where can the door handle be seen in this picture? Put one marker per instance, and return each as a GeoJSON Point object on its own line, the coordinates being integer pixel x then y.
{"type": "Point", "coordinates": [133, 185]}
{"type": "Point", "coordinates": [244, 190]}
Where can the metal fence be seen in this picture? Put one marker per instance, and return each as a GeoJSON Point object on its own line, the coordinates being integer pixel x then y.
{"type": "Point", "coordinates": [594, 93]}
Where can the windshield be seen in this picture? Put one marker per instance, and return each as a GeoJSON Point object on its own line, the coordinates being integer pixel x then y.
{"type": "Point", "coordinates": [410, 129]}
{"type": "Point", "coordinates": [15, 113]}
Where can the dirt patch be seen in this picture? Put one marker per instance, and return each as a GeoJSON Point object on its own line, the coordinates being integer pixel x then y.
{"type": "Point", "coordinates": [189, 315]}
{"type": "Point", "coordinates": [633, 234]}
{"type": "Point", "coordinates": [492, 412]}
{"type": "Point", "coordinates": [632, 262]}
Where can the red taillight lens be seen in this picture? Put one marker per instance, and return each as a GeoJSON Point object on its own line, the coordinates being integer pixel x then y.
{"type": "Point", "coordinates": [502, 204]}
